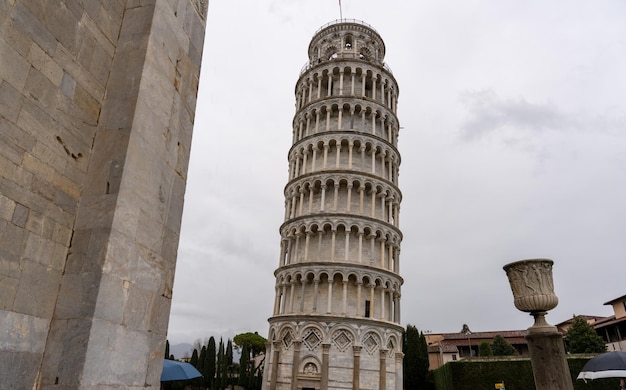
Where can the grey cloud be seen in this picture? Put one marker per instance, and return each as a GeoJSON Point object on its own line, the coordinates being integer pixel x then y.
{"type": "Point", "coordinates": [517, 118]}
{"type": "Point", "coordinates": [487, 113]}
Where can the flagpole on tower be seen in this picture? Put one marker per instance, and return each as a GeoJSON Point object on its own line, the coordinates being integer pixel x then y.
{"type": "Point", "coordinates": [340, 13]}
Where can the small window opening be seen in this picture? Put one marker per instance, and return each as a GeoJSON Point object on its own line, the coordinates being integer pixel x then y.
{"type": "Point", "coordinates": [367, 308]}
{"type": "Point", "coordinates": [348, 42]}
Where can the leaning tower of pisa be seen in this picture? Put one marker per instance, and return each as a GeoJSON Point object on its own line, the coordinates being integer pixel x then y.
{"type": "Point", "coordinates": [336, 319]}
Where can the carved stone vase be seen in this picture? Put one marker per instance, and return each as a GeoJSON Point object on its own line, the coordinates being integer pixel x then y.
{"type": "Point", "coordinates": [533, 288]}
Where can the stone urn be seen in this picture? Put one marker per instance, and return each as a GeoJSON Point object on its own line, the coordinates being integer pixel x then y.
{"type": "Point", "coordinates": [533, 288]}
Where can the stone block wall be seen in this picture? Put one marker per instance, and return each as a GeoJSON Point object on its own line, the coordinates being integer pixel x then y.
{"type": "Point", "coordinates": [97, 102]}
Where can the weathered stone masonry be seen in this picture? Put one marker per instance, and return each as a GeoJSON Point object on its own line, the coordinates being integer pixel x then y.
{"type": "Point", "coordinates": [97, 102]}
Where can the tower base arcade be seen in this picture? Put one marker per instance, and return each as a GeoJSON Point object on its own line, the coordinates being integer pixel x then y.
{"type": "Point", "coordinates": [333, 353]}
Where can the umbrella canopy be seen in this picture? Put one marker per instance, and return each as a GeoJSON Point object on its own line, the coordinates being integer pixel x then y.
{"type": "Point", "coordinates": [607, 365]}
{"type": "Point", "coordinates": [176, 371]}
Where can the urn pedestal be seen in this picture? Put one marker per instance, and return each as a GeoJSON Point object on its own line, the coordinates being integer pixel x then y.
{"type": "Point", "coordinates": [533, 292]}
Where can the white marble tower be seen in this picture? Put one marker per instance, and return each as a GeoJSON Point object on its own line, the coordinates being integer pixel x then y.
{"type": "Point", "coordinates": [336, 319]}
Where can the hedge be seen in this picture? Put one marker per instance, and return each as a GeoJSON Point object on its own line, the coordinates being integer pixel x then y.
{"type": "Point", "coordinates": [516, 373]}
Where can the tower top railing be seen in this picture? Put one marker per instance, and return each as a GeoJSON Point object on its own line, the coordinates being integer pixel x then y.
{"type": "Point", "coordinates": [341, 54]}
{"type": "Point", "coordinates": [338, 21]}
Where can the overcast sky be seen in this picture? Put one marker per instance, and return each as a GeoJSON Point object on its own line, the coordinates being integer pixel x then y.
{"type": "Point", "coordinates": [513, 146]}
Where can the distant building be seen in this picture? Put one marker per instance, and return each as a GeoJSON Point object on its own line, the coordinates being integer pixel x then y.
{"type": "Point", "coordinates": [564, 326]}
{"type": "Point", "coordinates": [448, 347]}
{"type": "Point", "coordinates": [613, 328]}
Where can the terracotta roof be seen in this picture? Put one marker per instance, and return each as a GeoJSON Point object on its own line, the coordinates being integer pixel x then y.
{"type": "Point", "coordinates": [507, 334]}
{"type": "Point", "coordinates": [445, 348]}
{"type": "Point", "coordinates": [608, 321]}
{"type": "Point", "coordinates": [452, 341]}
{"type": "Point", "coordinates": [612, 301]}
{"type": "Point", "coordinates": [603, 320]}
{"type": "Point", "coordinates": [583, 316]}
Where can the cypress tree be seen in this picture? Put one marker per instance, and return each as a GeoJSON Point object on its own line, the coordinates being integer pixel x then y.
{"type": "Point", "coordinates": [209, 364]}
{"type": "Point", "coordinates": [199, 365]}
{"type": "Point", "coordinates": [201, 360]}
{"type": "Point", "coordinates": [220, 380]}
{"type": "Point", "coordinates": [256, 376]}
{"type": "Point", "coordinates": [194, 358]}
{"type": "Point", "coordinates": [224, 369]}
{"type": "Point", "coordinates": [410, 348]}
{"type": "Point", "coordinates": [229, 356]}
{"type": "Point", "coordinates": [167, 349]}
{"type": "Point", "coordinates": [243, 366]}
{"type": "Point", "coordinates": [422, 361]}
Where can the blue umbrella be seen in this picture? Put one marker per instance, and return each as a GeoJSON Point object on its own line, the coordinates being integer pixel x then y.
{"type": "Point", "coordinates": [176, 371]}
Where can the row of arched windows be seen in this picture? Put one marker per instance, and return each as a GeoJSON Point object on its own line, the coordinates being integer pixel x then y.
{"type": "Point", "coordinates": [366, 277]}
{"type": "Point", "coordinates": [333, 292]}
{"type": "Point", "coordinates": [363, 196]}
{"type": "Point", "coordinates": [350, 80]}
{"type": "Point", "coordinates": [350, 152]}
{"type": "Point", "coordinates": [337, 115]}
{"type": "Point", "coordinates": [362, 243]}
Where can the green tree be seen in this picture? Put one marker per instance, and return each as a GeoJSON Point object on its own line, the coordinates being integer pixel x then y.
{"type": "Point", "coordinates": [582, 338]}
{"type": "Point", "coordinates": [221, 380]}
{"type": "Point", "coordinates": [501, 347]}
{"type": "Point", "coordinates": [256, 343]}
{"type": "Point", "coordinates": [422, 362]}
{"type": "Point", "coordinates": [228, 354]}
{"type": "Point", "coordinates": [209, 364]}
{"type": "Point", "coordinates": [167, 349]}
{"type": "Point", "coordinates": [201, 359]}
{"type": "Point", "coordinates": [256, 376]}
{"type": "Point", "coordinates": [218, 368]}
{"type": "Point", "coordinates": [200, 367]}
{"type": "Point", "coordinates": [484, 349]}
{"type": "Point", "coordinates": [244, 362]}
{"type": "Point", "coordinates": [256, 372]}
{"type": "Point", "coordinates": [415, 359]}
{"type": "Point", "coordinates": [410, 342]}
{"type": "Point", "coordinates": [194, 358]}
